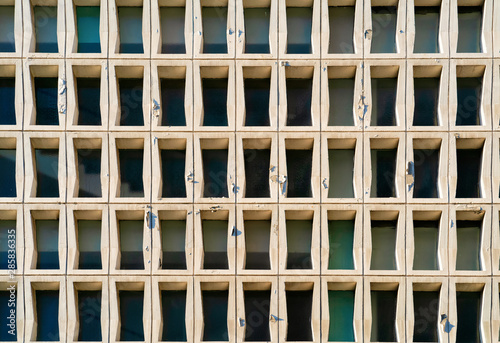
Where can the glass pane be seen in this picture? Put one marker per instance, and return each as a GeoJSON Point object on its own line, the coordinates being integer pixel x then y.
{"type": "Point", "coordinates": [172, 30]}
{"type": "Point", "coordinates": [426, 162]}
{"type": "Point", "coordinates": [257, 316]}
{"type": "Point", "coordinates": [89, 315]}
{"type": "Point", "coordinates": [341, 164]}
{"type": "Point", "coordinates": [46, 101]}
{"type": "Point", "coordinates": [384, 316]}
{"type": "Point", "coordinates": [468, 316]}
{"type": "Point", "coordinates": [257, 239]}
{"type": "Point", "coordinates": [257, 162]}
{"type": "Point", "coordinates": [384, 21]}
{"type": "Point", "coordinates": [172, 102]}
{"type": "Point", "coordinates": [215, 173]}
{"type": "Point", "coordinates": [468, 245]}
{"type": "Point", "coordinates": [426, 97]}
{"type": "Point", "coordinates": [215, 315]}
{"type": "Point", "coordinates": [257, 93]}
{"type": "Point", "coordinates": [89, 101]}
{"type": "Point", "coordinates": [469, 162]}
{"type": "Point", "coordinates": [426, 237]}
{"type": "Point", "coordinates": [47, 244]}
{"type": "Point", "coordinates": [89, 172]}
{"type": "Point", "coordinates": [341, 308]}
{"type": "Point", "coordinates": [341, 92]}
{"type": "Point", "coordinates": [9, 302]}
{"type": "Point", "coordinates": [214, 102]}
{"type": "Point", "coordinates": [131, 169]}
{"type": "Point", "coordinates": [470, 19]}
{"type": "Point", "coordinates": [173, 307]}
{"type": "Point", "coordinates": [8, 173]}
{"type": "Point", "coordinates": [215, 244]}
{"type": "Point", "coordinates": [426, 29]}
{"type": "Point", "coordinates": [383, 173]}
{"type": "Point", "coordinates": [87, 22]}
{"type": "Point", "coordinates": [383, 244]}
{"type": "Point", "coordinates": [130, 21]}
{"type": "Point", "coordinates": [7, 39]}
{"type": "Point", "coordinates": [299, 310]}
{"type": "Point", "coordinates": [214, 30]}
{"type": "Point", "coordinates": [299, 169]}
{"type": "Point", "coordinates": [7, 228]}
{"type": "Point", "coordinates": [7, 101]}
{"type": "Point", "coordinates": [341, 29]}
{"type": "Point", "coordinates": [384, 93]}
{"type": "Point", "coordinates": [299, 98]}
{"type": "Point", "coordinates": [131, 315]}
{"type": "Point", "coordinates": [173, 167]}
{"type": "Point", "coordinates": [173, 244]}
{"type": "Point", "coordinates": [47, 315]}
{"type": "Point", "coordinates": [299, 30]}
{"type": "Point", "coordinates": [131, 241]}
{"type": "Point", "coordinates": [47, 172]}
{"type": "Point", "coordinates": [131, 97]}
{"type": "Point", "coordinates": [298, 242]}
{"type": "Point", "coordinates": [89, 244]}
{"type": "Point", "coordinates": [45, 28]}
{"type": "Point", "coordinates": [341, 239]}
{"type": "Point", "coordinates": [469, 91]}
{"type": "Point", "coordinates": [257, 30]}
{"type": "Point", "coordinates": [425, 308]}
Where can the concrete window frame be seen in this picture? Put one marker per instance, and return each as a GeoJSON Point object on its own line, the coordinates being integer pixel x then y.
{"type": "Point", "coordinates": [15, 212]}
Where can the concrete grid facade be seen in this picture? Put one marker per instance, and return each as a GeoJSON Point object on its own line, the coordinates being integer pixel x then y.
{"type": "Point", "coordinates": [362, 137]}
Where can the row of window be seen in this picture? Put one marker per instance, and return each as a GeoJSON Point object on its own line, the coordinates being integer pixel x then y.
{"type": "Point", "coordinates": [292, 240]}
{"type": "Point", "coordinates": [217, 23]}
{"type": "Point", "coordinates": [252, 95]}
{"type": "Point", "coordinates": [429, 311]}
{"type": "Point", "coordinates": [220, 168]}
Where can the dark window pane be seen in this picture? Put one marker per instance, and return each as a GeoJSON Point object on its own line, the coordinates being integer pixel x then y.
{"type": "Point", "coordinates": [8, 302]}
{"type": "Point", "coordinates": [425, 235]}
{"type": "Point", "coordinates": [172, 30]}
{"type": "Point", "coordinates": [299, 169]}
{"type": "Point", "coordinates": [215, 244]}
{"type": "Point", "coordinates": [383, 173]}
{"type": "Point", "coordinates": [89, 315]}
{"type": "Point", "coordinates": [87, 22]}
{"type": "Point", "coordinates": [257, 239]}
{"type": "Point", "coordinates": [215, 315]}
{"type": "Point", "coordinates": [131, 97]}
{"type": "Point", "coordinates": [299, 98]}
{"type": "Point", "coordinates": [341, 92]}
{"type": "Point", "coordinates": [257, 316]}
{"type": "Point", "coordinates": [214, 102]}
{"type": "Point", "coordinates": [172, 102]}
{"type": "Point", "coordinates": [173, 306]}
{"type": "Point", "coordinates": [257, 93]}
{"type": "Point", "coordinates": [383, 316]}
{"type": "Point", "coordinates": [214, 30]}
{"type": "Point", "coordinates": [89, 244]}
{"type": "Point", "coordinates": [7, 101]}
{"type": "Point", "coordinates": [468, 316]}
{"type": "Point", "coordinates": [384, 102]}
{"type": "Point", "coordinates": [299, 311]}
{"type": "Point", "coordinates": [130, 21]}
{"type": "Point", "coordinates": [425, 307]}
{"type": "Point", "coordinates": [299, 241]}
{"type": "Point", "coordinates": [7, 39]}
{"type": "Point", "coordinates": [131, 314]}
{"type": "Point", "coordinates": [469, 162]}
{"type": "Point", "coordinates": [426, 162]}
{"type": "Point", "coordinates": [89, 101]}
{"type": "Point", "coordinates": [47, 315]}
{"type": "Point", "coordinates": [89, 172]}
{"type": "Point", "coordinates": [469, 91]}
{"type": "Point", "coordinates": [341, 239]}
{"type": "Point", "coordinates": [299, 29]}
{"type": "Point", "coordinates": [384, 22]}
{"type": "Point", "coordinates": [45, 28]}
{"type": "Point", "coordinates": [341, 20]}
{"type": "Point", "coordinates": [7, 228]}
{"type": "Point", "coordinates": [47, 244]}
{"type": "Point", "coordinates": [384, 234]}
{"type": "Point", "coordinates": [468, 245]}
{"type": "Point", "coordinates": [257, 162]}
{"type": "Point", "coordinates": [470, 20]}
{"type": "Point", "coordinates": [341, 308]}
{"type": "Point", "coordinates": [257, 30]}
{"type": "Point", "coordinates": [173, 244]}
{"type": "Point", "coordinates": [131, 168]}
{"type": "Point", "coordinates": [341, 164]}
{"type": "Point", "coordinates": [426, 94]}
{"type": "Point", "coordinates": [173, 167]}
{"type": "Point", "coordinates": [8, 173]}
{"type": "Point", "coordinates": [426, 29]}
{"type": "Point", "coordinates": [131, 241]}
{"type": "Point", "coordinates": [47, 172]}
{"type": "Point", "coordinates": [215, 173]}
{"type": "Point", "coordinates": [46, 101]}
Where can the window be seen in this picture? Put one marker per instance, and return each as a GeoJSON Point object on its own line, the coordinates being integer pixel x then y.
{"type": "Point", "coordinates": [426, 29]}
{"type": "Point", "coordinates": [299, 159]}
{"type": "Point", "coordinates": [426, 85]}
{"type": "Point", "coordinates": [172, 22]}
{"type": "Point", "coordinates": [341, 156]}
{"type": "Point", "coordinates": [131, 307]}
{"type": "Point", "coordinates": [215, 232]}
{"type": "Point", "coordinates": [8, 302]}
{"type": "Point", "coordinates": [8, 237]}
{"type": "Point", "coordinates": [89, 173]}
{"type": "Point", "coordinates": [341, 19]}
{"type": "Point", "coordinates": [131, 242]}
{"type": "Point", "coordinates": [426, 240]}
{"type": "Point", "coordinates": [131, 98]}
{"type": "Point", "coordinates": [257, 313]}
{"type": "Point", "coordinates": [383, 236]}
{"type": "Point", "coordinates": [469, 234]}
{"type": "Point", "coordinates": [257, 229]}
{"type": "Point", "coordinates": [8, 170]}
{"type": "Point", "coordinates": [470, 95]}
{"type": "Point", "coordinates": [257, 159]}
{"type": "Point", "coordinates": [341, 95]}
{"type": "Point", "coordinates": [384, 23]}
{"type": "Point", "coordinates": [468, 314]}
{"type": "Point", "coordinates": [130, 165]}
{"type": "Point", "coordinates": [47, 319]}
{"type": "Point", "coordinates": [89, 244]}
{"type": "Point", "coordinates": [470, 21]}
{"type": "Point", "coordinates": [173, 307]}
{"type": "Point", "coordinates": [384, 86]}
{"type": "Point", "coordinates": [130, 22]}
{"type": "Point", "coordinates": [214, 88]}
{"type": "Point", "coordinates": [47, 112]}
{"type": "Point", "coordinates": [299, 92]}
{"type": "Point", "coordinates": [47, 243]}
{"type": "Point", "coordinates": [215, 307]}
{"type": "Point", "coordinates": [89, 100]}
{"type": "Point", "coordinates": [87, 22]}
{"type": "Point", "coordinates": [469, 165]}
{"type": "Point", "coordinates": [173, 243]}
{"type": "Point", "coordinates": [257, 87]}
{"type": "Point", "coordinates": [214, 29]}
{"type": "Point", "coordinates": [426, 155]}
{"type": "Point", "coordinates": [173, 90]}
{"type": "Point", "coordinates": [7, 100]}
{"type": "Point", "coordinates": [89, 315]}
{"type": "Point", "coordinates": [426, 311]}
{"type": "Point", "coordinates": [341, 311]}
{"type": "Point", "coordinates": [383, 167]}
{"type": "Point", "coordinates": [341, 244]}
{"type": "Point", "coordinates": [173, 167]}
{"type": "Point", "coordinates": [214, 155]}
{"type": "Point", "coordinates": [299, 313]}
{"type": "Point", "coordinates": [299, 240]}
{"type": "Point", "coordinates": [299, 30]}
{"type": "Point", "coordinates": [384, 305]}
{"type": "Point", "coordinates": [7, 40]}
{"type": "Point", "coordinates": [45, 24]}
{"type": "Point", "coordinates": [257, 22]}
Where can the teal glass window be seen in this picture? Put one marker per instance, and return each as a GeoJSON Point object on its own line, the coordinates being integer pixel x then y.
{"type": "Point", "coordinates": [131, 169]}
{"type": "Point", "coordinates": [47, 243]}
{"type": "Point", "coordinates": [8, 173]}
{"type": "Point", "coordinates": [257, 30]}
{"type": "Point", "coordinates": [89, 315]}
{"type": "Point", "coordinates": [47, 112]}
{"type": "Point", "coordinates": [426, 29]}
{"type": "Point", "coordinates": [47, 168]}
{"type": "Point", "coordinates": [131, 314]}
{"type": "Point", "coordinates": [299, 30]}
{"type": "Point", "coordinates": [89, 244]}
{"type": "Point", "coordinates": [173, 244]}
{"type": "Point", "coordinates": [7, 39]}
{"type": "Point", "coordinates": [131, 241]}
{"type": "Point", "coordinates": [45, 20]}
{"type": "Point", "coordinates": [341, 93]}
{"type": "Point", "coordinates": [173, 307]}
{"type": "Point", "coordinates": [299, 243]}
{"type": "Point", "coordinates": [87, 26]}
{"type": "Point", "coordinates": [341, 239]}
{"type": "Point", "coordinates": [130, 22]}
{"type": "Point", "coordinates": [172, 30]}
{"type": "Point", "coordinates": [215, 173]}
{"type": "Point", "coordinates": [214, 30]}
{"type": "Point", "coordinates": [384, 22]}
{"type": "Point", "coordinates": [215, 304]}
{"type": "Point", "coordinates": [257, 240]}
{"type": "Point", "coordinates": [341, 310]}
{"type": "Point", "coordinates": [215, 244]}
{"type": "Point", "coordinates": [341, 19]}
{"type": "Point", "coordinates": [47, 315]}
